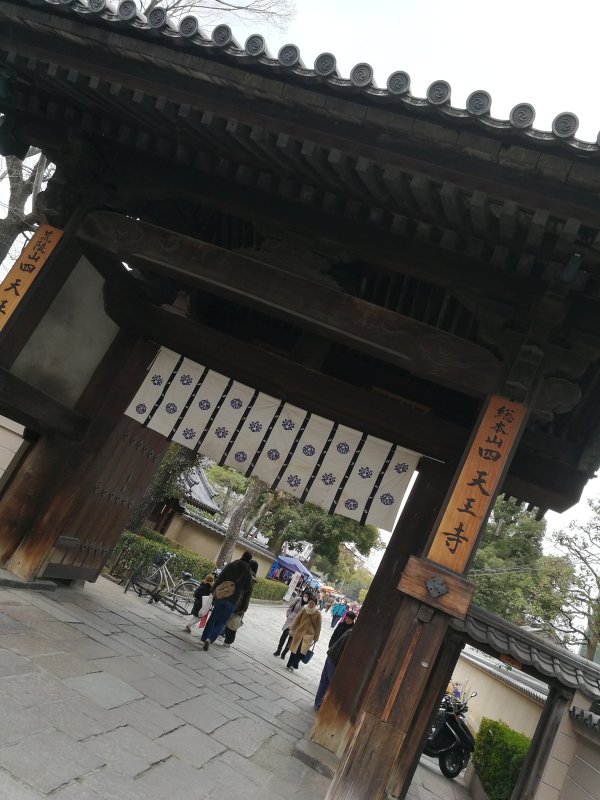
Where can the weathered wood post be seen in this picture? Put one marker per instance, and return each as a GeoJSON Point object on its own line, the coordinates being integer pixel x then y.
{"type": "Point", "coordinates": [340, 707]}
{"type": "Point", "coordinates": [432, 592]}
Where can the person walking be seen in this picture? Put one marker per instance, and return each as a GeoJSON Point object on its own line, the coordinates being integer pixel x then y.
{"type": "Point", "coordinates": [338, 611]}
{"type": "Point", "coordinates": [236, 620]}
{"type": "Point", "coordinates": [305, 631]}
{"type": "Point", "coordinates": [292, 612]}
{"type": "Point", "coordinates": [202, 601]}
{"type": "Point", "coordinates": [233, 580]}
{"type": "Point", "coordinates": [333, 657]}
{"type": "Point", "coordinates": [345, 625]}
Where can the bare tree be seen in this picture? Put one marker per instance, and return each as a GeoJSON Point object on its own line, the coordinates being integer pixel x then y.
{"type": "Point", "coordinates": [234, 529]}
{"type": "Point", "coordinates": [580, 618]}
{"type": "Point", "coordinates": [272, 12]}
{"type": "Point", "coordinates": [20, 183]}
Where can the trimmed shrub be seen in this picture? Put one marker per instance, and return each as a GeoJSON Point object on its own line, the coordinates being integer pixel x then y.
{"type": "Point", "coordinates": [499, 755]}
{"type": "Point", "coordinates": [266, 589]}
{"type": "Point", "coordinates": [133, 549]}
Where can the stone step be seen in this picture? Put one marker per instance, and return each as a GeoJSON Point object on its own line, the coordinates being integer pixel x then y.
{"type": "Point", "coordinates": [316, 757]}
{"type": "Point", "coordinates": [10, 581]}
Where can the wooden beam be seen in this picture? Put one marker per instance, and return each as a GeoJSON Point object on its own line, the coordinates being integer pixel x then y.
{"type": "Point", "coordinates": [388, 249]}
{"type": "Point", "coordinates": [377, 414]}
{"type": "Point", "coordinates": [299, 207]}
{"type": "Point", "coordinates": [533, 476]}
{"type": "Point", "coordinates": [352, 136]}
{"type": "Point", "coordinates": [28, 406]}
{"type": "Point", "coordinates": [412, 345]}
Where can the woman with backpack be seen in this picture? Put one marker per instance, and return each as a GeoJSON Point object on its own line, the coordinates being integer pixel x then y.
{"type": "Point", "coordinates": [305, 631]}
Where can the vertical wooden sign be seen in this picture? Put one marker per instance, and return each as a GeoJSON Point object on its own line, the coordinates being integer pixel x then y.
{"type": "Point", "coordinates": [474, 491]}
{"type": "Point", "coordinates": [26, 269]}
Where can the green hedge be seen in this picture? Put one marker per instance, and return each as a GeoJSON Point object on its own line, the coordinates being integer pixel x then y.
{"type": "Point", "coordinates": [266, 589]}
{"type": "Point", "coordinates": [132, 550]}
{"type": "Point", "coordinates": [499, 755]}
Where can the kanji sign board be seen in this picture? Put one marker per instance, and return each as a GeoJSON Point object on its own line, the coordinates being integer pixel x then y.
{"type": "Point", "coordinates": [26, 269]}
{"type": "Point", "coordinates": [474, 491]}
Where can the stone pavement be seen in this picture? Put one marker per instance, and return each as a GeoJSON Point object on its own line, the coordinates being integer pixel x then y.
{"type": "Point", "coordinates": [104, 697]}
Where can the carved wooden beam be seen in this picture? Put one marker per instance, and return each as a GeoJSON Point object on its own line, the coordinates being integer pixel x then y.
{"type": "Point", "coordinates": [34, 409]}
{"type": "Point", "coordinates": [412, 345]}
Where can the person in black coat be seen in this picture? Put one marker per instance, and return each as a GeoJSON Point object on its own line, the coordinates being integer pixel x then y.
{"type": "Point", "coordinates": [240, 609]}
{"type": "Point", "coordinates": [238, 576]}
{"type": "Point", "coordinates": [333, 657]}
{"type": "Point", "coordinates": [344, 626]}
{"type": "Point", "coordinates": [201, 605]}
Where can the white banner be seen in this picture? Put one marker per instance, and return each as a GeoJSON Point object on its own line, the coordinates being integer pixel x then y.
{"type": "Point", "coordinates": [310, 457]}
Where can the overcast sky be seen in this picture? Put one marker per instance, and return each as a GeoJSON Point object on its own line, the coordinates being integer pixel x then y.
{"type": "Point", "coordinates": [543, 53]}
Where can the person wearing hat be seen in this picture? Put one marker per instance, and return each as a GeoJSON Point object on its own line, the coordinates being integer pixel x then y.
{"type": "Point", "coordinates": [202, 601]}
{"type": "Point", "coordinates": [305, 631]}
{"type": "Point", "coordinates": [235, 621]}
{"type": "Point", "coordinates": [235, 579]}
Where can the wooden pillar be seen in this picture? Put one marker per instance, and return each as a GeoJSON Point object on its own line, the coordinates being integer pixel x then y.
{"type": "Point", "coordinates": [42, 495]}
{"type": "Point", "coordinates": [338, 713]}
{"type": "Point", "coordinates": [404, 768]}
{"type": "Point", "coordinates": [433, 591]}
{"type": "Point", "coordinates": [556, 705]}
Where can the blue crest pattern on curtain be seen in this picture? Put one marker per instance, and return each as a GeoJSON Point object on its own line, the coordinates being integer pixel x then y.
{"type": "Point", "coordinates": [312, 458]}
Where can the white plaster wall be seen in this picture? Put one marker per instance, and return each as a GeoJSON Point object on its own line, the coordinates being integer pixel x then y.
{"type": "Point", "coordinates": [64, 350]}
{"type": "Point", "coordinates": [573, 769]}
{"type": "Point", "coordinates": [495, 700]}
{"type": "Point", "coordinates": [207, 543]}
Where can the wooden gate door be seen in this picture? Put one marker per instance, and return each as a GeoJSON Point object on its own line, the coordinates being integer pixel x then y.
{"type": "Point", "coordinates": [109, 490]}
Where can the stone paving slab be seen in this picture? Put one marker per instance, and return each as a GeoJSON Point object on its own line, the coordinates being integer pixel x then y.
{"type": "Point", "coordinates": [47, 761]}
{"type": "Point", "coordinates": [104, 689]}
{"type": "Point", "coordinates": [191, 745]}
{"type": "Point", "coordinates": [35, 689]}
{"type": "Point", "coordinates": [104, 697]}
{"type": "Point", "coordinates": [18, 723]}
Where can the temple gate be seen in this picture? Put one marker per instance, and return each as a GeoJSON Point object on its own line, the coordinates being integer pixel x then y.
{"type": "Point", "coordinates": [412, 271]}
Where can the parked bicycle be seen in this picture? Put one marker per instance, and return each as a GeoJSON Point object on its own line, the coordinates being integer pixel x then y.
{"type": "Point", "coordinates": [154, 580]}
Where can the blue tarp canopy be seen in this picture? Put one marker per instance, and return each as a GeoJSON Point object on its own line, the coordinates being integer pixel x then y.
{"type": "Point", "coordinates": [294, 565]}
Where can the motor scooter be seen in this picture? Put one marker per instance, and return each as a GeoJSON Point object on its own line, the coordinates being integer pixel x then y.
{"type": "Point", "coordinates": [450, 740]}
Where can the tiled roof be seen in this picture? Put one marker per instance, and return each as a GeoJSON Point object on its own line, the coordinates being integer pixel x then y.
{"type": "Point", "coordinates": [517, 680]}
{"type": "Point", "coordinates": [199, 492]}
{"type": "Point", "coordinates": [543, 657]}
{"type": "Point", "coordinates": [586, 719]}
{"type": "Point", "coordinates": [288, 66]}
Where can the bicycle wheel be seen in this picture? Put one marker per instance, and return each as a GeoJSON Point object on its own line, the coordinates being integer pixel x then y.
{"type": "Point", "coordinates": [182, 596]}
{"type": "Point", "coordinates": [145, 580]}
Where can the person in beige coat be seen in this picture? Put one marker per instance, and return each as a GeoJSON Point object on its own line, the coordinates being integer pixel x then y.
{"type": "Point", "coordinates": [305, 631]}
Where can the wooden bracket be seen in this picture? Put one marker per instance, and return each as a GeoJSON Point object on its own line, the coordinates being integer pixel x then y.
{"type": "Point", "coordinates": [438, 587]}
